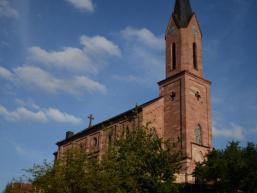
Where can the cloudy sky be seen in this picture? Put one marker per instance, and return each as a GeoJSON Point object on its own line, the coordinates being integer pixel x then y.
{"type": "Point", "coordinates": [61, 60]}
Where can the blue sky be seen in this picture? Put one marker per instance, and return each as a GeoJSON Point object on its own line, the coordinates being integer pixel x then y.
{"type": "Point", "coordinates": [64, 59]}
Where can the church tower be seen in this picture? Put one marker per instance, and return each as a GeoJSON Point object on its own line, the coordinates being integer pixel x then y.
{"type": "Point", "coordinates": [187, 103]}
{"type": "Point", "coordinates": [183, 109]}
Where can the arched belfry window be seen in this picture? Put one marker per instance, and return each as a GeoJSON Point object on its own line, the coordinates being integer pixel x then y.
{"type": "Point", "coordinates": [198, 134]}
{"type": "Point", "coordinates": [195, 56]}
{"type": "Point", "coordinates": [174, 56]}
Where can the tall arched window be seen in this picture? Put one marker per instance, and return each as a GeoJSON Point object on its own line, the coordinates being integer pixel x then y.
{"type": "Point", "coordinates": [110, 141]}
{"type": "Point", "coordinates": [95, 142]}
{"type": "Point", "coordinates": [174, 57]}
{"type": "Point", "coordinates": [195, 56]}
{"type": "Point", "coordinates": [127, 131]}
{"type": "Point", "coordinates": [198, 134]}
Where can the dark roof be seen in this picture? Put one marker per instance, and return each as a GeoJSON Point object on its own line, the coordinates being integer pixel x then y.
{"type": "Point", "coordinates": [98, 126]}
{"type": "Point", "coordinates": [182, 13]}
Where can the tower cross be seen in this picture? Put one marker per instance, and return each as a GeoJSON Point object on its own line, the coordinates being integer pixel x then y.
{"type": "Point", "coordinates": [91, 118]}
{"type": "Point", "coordinates": [173, 95]}
{"type": "Point", "coordinates": [198, 96]}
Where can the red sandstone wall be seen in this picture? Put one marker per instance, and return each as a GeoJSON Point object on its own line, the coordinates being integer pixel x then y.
{"type": "Point", "coordinates": [173, 124]}
{"type": "Point", "coordinates": [184, 39]}
{"type": "Point", "coordinates": [197, 111]}
{"type": "Point", "coordinates": [153, 114]}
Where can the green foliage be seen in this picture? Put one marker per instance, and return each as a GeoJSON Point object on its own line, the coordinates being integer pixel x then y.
{"type": "Point", "coordinates": [230, 170]}
{"type": "Point", "coordinates": [144, 162]}
{"type": "Point", "coordinates": [139, 163]}
{"type": "Point", "coordinates": [67, 175]}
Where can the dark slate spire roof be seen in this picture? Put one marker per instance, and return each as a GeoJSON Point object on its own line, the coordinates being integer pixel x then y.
{"type": "Point", "coordinates": [182, 13]}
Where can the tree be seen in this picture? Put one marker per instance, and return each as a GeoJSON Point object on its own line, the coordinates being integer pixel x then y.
{"type": "Point", "coordinates": [67, 175]}
{"type": "Point", "coordinates": [230, 170]}
{"type": "Point", "coordinates": [141, 162]}
{"type": "Point", "coordinates": [249, 155]}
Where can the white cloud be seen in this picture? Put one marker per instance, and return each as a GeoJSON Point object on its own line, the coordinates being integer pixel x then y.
{"type": "Point", "coordinates": [86, 5]}
{"type": "Point", "coordinates": [38, 78]}
{"type": "Point", "coordinates": [6, 10]}
{"type": "Point", "coordinates": [42, 115]}
{"type": "Point", "coordinates": [89, 58]}
{"type": "Point", "coordinates": [6, 74]}
{"type": "Point", "coordinates": [28, 103]}
{"type": "Point", "coordinates": [22, 114]}
{"type": "Point", "coordinates": [84, 82]}
{"type": "Point", "coordinates": [34, 106]}
{"type": "Point", "coordinates": [68, 58]}
{"type": "Point", "coordinates": [235, 132]}
{"type": "Point", "coordinates": [61, 117]}
{"type": "Point", "coordinates": [128, 78]}
{"type": "Point", "coordinates": [20, 102]}
{"type": "Point", "coordinates": [98, 44]}
{"type": "Point", "coordinates": [25, 114]}
{"type": "Point", "coordinates": [144, 36]}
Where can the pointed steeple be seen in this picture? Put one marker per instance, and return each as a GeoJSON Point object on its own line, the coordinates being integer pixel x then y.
{"type": "Point", "coordinates": [182, 13]}
{"type": "Point", "coordinates": [183, 41]}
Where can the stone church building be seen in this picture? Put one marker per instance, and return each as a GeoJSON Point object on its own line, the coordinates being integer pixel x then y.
{"type": "Point", "coordinates": [182, 109]}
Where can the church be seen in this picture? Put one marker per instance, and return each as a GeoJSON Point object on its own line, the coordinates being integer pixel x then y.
{"type": "Point", "coordinates": [182, 109]}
